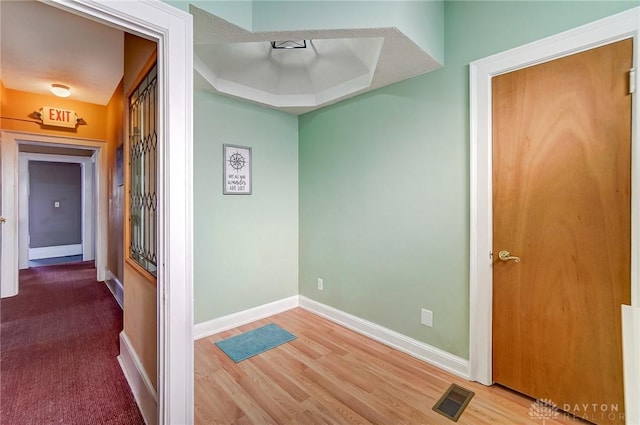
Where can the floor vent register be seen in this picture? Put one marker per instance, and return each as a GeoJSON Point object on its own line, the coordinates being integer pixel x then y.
{"type": "Point", "coordinates": [453, 402]}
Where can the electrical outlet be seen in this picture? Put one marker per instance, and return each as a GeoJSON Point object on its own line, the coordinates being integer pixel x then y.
{"type": "Point", "coordinates": [426, 318]}
{"type": "Point", "coordinates": [320, 284]}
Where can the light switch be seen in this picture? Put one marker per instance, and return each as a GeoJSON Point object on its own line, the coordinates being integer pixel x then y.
{"type": "Point", "coordinates": [56, 204]}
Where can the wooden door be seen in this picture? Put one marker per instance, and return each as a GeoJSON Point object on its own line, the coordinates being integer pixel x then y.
{"type": "Point", "coordinates": [561, 202]}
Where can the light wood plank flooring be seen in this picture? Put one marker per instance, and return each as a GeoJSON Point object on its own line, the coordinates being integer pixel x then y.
{"type": "Point", "coordinates": [331, 375]}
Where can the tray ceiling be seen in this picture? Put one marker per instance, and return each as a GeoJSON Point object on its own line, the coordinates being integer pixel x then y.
{"type": "Point", "coordinates": [335, 65]}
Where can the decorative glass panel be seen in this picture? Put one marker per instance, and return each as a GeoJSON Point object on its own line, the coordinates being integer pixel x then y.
{"type": "Point", "coordinates": [143, 142]}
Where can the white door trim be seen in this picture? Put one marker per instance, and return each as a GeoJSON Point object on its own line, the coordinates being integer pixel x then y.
{"type": "Point", "coordinates": [173, 31]}
{"type": "Point", "coordinates": [616, 27]}
{"type": "Point", "coordinates": [10, 165]}
{"type": "Point", "coordinates": [9, 257]}
{"type": "Point", "coordinates": [11, 202]}
{"type": "Point", "coordinates": [88, 213]}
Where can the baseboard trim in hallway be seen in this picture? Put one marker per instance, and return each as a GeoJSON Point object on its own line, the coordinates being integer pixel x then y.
{"type": "Point", "coordinates": [143, 391]}
{"type": "Point", "coordinates": [116, 288]}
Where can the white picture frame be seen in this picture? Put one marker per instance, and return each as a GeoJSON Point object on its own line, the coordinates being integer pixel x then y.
{"type": "Point", "coordinates": [237, 170]}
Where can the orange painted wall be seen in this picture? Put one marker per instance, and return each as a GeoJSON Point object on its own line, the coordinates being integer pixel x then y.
{"type": "Point", "coordinates": [3, 99]}
{"type": "Point", "coordinates": [137, 51]}
{"type": "Point", "coordinates": [17, 106]}
{"type": "Point", "coordinates": [115, 138]}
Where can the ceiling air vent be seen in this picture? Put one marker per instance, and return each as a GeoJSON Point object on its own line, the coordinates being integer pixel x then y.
{"type": "Point", "coordinates": [289, 44]}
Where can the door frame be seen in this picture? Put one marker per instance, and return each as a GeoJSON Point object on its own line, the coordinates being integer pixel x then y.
{"type": "Point", "coordinates": [172, 29]}
{"type": "Point", "coordinates": [11, 158]}
{"type": "Point", "coordinates": [89, 203]}
{"type": "Point", "coordinates": [9, 208]}
{"type": "Point", "coordinates": [610, 29]}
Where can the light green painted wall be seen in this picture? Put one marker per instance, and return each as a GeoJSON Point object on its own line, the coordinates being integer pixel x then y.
{"type": "Point", "coordinates": [245, 246]}
{"type": "Point", "coordinates": [384, 192]}
{"type": "Point", "coordinates": [422, 21]}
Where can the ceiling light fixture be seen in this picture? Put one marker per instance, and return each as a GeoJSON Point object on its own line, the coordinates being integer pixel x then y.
{"type": "Point", "coordinates": [60, 90]}
{"type": "Point", "coordinates": [289, 44]}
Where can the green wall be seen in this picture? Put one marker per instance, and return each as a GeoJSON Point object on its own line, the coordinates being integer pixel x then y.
{"type": "Point", "coordinates": [245, 246]}
{"type": "Point", "coordinates": [384, 179]}
{"type": "Point", "coordinates": [371, 194]}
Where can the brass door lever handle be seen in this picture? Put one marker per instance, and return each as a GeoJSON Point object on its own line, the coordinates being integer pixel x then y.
{"type": "Point", "coordinates": [3, 220]}
{"type": "Point", "coordinates": [506, 256]}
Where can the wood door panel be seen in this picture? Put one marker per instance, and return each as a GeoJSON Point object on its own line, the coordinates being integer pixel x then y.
{"type": "Point", "coordinates": [561, 202]}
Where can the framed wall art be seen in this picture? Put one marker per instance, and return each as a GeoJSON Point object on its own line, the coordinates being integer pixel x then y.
{"type": "Point", "coordinates": [237, 170]}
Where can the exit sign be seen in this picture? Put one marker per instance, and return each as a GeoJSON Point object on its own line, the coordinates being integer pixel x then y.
{"type": "Point", "coordinates": [58, 117]}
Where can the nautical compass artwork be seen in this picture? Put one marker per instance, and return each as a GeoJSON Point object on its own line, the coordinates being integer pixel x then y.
{"type": "Point", "coordinates": [236, 169]}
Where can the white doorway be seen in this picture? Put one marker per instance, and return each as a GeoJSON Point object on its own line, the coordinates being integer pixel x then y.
{"type": "Point", "coordinates": [172, 29]}
{"type": "Point", "coordinates": [617, 27]}
{"type": "Point", "coordinates": [87, 214]}
{"type": "Point", "coordinates": [14, 166]}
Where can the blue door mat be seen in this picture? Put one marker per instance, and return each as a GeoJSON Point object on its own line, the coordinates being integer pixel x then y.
{"type": "Point", "coordinates": [256, 341]}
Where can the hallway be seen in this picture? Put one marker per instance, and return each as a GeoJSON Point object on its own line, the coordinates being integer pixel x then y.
{"type": "Point", "coordinates": [59, 343]}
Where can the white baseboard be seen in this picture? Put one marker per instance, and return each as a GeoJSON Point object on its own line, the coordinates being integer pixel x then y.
{"type": "Point", "coordinates": [138, 380]}
{"type": "Point", "coordinates": [117, 290]}
{"type": "Point", "coordinates": [420, 350]}
{"type": "Point", "coordinates": [54, 251]}
{"type": "Point", "coordinates": [231, 321]}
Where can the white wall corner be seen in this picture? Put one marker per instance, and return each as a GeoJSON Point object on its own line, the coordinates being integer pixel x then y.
{"type": "Point", "coordinates": [220, 324]}
{"type": "Point", "coordinates": [420, 350]}
{"type": "Point", "coordinates": [138, 380]}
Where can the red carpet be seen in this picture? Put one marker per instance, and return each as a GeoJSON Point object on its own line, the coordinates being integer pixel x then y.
{"type": "Point", "coordinates": [58, 345]}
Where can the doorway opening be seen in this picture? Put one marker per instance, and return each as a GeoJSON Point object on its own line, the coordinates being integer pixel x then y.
{"type": "Point", "coordinates": [173, 31]}
{"type": "Point", "coordinates": [57, 204]}
{"type": "Point", "coordinates": [617, 27]}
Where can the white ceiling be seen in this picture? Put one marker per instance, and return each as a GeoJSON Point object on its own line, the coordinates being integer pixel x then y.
{"type": "Point", "coordinates": [336, 65]}
{"type": "Point", "coordinates": [41, 45]}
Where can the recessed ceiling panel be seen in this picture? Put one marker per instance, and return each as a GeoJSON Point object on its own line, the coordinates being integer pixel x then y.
{"type": "Point", "coordinates": [310, 72]}
{"type": "Point", "coordinates": [334, 65]}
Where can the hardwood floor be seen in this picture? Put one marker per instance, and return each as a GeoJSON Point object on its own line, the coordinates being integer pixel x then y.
{"type": "Point", "coordinates": [331, 375]}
